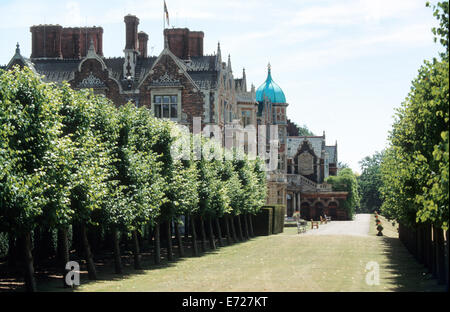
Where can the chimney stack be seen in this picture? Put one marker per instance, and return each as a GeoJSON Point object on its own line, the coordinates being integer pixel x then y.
{"type": "Point", "coordinates": [143, 41]}
{"type": "Point", "coordinates": [131, 29]}
{"type": "Point", "coordinates": [131, 46]}
{"type": "Point", "coordinates": [196, 43]}
{"type": "Point", "coordinates": [46, 41]}
{"type": "Point", "coordinates": [184, 43]}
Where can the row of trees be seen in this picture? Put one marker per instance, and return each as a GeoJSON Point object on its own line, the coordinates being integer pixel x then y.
{"type": "Point", "coordinates": [415, 166]}
{"type": "Point", "coordinates": [409, 181]}
{"type": "Point", "coordinates": [71, 161]}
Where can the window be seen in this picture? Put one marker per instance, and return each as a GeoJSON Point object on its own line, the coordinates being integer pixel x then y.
{"type": "Point", "coordinates": [166, 106]}
{"type": "Point", "coordinates": [246, 118]}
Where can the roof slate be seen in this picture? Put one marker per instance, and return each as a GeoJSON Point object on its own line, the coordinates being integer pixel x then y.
{"type": "Point", "coordinates": [293, 143]}
{"type": "Point", "coordinates": [331, 150]}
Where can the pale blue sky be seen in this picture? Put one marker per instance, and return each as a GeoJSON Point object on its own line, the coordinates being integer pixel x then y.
{"type": "Point", "coordinates": [343, 65]}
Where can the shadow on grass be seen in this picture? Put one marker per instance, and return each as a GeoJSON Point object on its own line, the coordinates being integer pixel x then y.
{"type": "Point", "coordinates": [406, 273]}
{"type": "Point", "coordinates": [50, 279]}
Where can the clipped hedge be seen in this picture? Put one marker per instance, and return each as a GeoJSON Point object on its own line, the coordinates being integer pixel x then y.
{"type": "Point", "coordinates": [278, 219]}
{"type": "Point", "coordinates": [263, 222]}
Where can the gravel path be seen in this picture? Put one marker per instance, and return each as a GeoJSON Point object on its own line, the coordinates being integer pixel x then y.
{"type": "Point", "coordinates": [358, 227]}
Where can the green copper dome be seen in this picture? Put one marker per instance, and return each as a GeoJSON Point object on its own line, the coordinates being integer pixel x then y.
{"type": "Point", "coordinates": [270, 90]}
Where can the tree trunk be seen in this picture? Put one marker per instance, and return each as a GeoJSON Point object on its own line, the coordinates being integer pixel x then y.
{"type": "Point", "coordinates": [219, 232]}
{"type": "Point", "coordinates": [150, 235]}
{"type": "Point", "coordinates": [227, 228]}
{"type": "Point", "coordinates": [434, 252]}
{"type": "Point", "coordinates": [440, 255]}
{"type": "Point", "coordinates": [429, 248]}
{"type": "Point", "coordinates": [446, 259]}
{"type": "Point", "coordinates": [241, 236]}
{"type": "Point", "coordinates": [92, 273]}
{"type": "Point", "coordinates": [169, 241]}
{"type": "Point", "coordinates": [233, 229]}
{"type": "Point", "coordinates": [30, 282]}
{"type": "Point", "coordinates": [202, 228]}
{"type": "Point", "coordinates": [136, 251]}
{"type": "Point", "coordinates": [179, 240]}
{"type": "Point", "coordinates": [250, 223]}
{"type": "Point", "coordinates": [116, 248]}
{"type": "Point", "coordinates": [186, 226]}
{"type": "Point", "coordinates": [245, 227]}
{"type": "Point", "coordinates": [157, 245]}
{"type": "Point", "coordinates": [12, 250]}
{"type": "Point", "coordinates": [77, 241]}
{"type": "Point", "coordinates": [419, 243]}
{"type": "Point", "coordinates": [63, 249]}
{"type": "Point", "coordinates": [194, 235]}
{"type": "Point", "coordinates": [36, 252]}
{"type": "Point", "coordinates": [212, 240]}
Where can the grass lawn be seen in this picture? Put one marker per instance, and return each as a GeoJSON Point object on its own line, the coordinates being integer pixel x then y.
{"type": "Point", "coordinates": [283, 262]}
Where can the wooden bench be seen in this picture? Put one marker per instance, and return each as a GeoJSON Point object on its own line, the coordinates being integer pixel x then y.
{"type": "Point", "coordinates": [314, 224]}
{"type": "Point", "coordinates": [301, 226]}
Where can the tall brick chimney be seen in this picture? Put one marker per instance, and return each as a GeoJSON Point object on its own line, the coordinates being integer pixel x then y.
{"type": "Point", "coordinates": [75, 41]}
{"type": "Point", "coordinates": [184, 43]}
{"type": "Point", "coordinates": [196, 43]}
{"type": "Point", "coordinates": [131, 45]}
{"type": "Point", "coordinates": [143, 41]}
{"type": "Point", "coordinates": [46, 41]}
{"type": "Point", "coordinates": [131, 28]}
{"type": "Point", "coordinates": [178, 41]}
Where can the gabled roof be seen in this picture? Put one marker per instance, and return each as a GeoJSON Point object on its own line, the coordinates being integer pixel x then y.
{"type": "Point", "coordinates": [182, 66]}
{"type": "Point", "coordinates": [200, 70]}
{"type": "Point", "coordinates": [293, 143]}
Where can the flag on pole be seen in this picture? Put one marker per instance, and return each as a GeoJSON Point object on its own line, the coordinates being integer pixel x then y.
{"type": "Point", "coordinates": [166, 12]}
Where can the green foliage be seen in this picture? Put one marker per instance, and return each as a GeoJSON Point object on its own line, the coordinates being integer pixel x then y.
{"type": "Point", "coordinates": [346, 181]}
{"type": "Point", "coordinates": [370, 182]}
{"type": "Point", "coordinates": [415, 168]}
{"type": "Point", "coordinates": [295, 130]}
{"type": "Point", "coordinates": [441, 12]}
{"type": "Point", "coordinates": [214, 198]}
{"type": "Point", "coordinates": [70, 156]}
{"type": "Point", "coordinates": [138, 187]}
{"type": "Point", "coordinates": [33, 152]}
{"type": "Point", "coordinates": [88, 168]}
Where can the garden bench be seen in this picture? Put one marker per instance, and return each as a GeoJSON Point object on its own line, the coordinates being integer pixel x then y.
{"type": "Point", "coordinates": [301, 226]}
{"type": "Point", "coordinates": [314, 224]}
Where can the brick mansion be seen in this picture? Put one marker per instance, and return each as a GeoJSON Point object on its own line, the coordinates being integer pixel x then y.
{"type": "Point", "coordinates": [182, 83]}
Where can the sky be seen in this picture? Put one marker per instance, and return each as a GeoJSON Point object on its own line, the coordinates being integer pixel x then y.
{"type": "Point", "coordinates": [344, 65]}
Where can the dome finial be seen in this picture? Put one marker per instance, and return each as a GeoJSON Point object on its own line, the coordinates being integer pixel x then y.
{"type": "Point", "coordinates": [17, 48]}
{"type": "Point", "coordinates": [269, 67]}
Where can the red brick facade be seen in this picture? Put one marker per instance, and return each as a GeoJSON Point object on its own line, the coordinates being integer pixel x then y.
{"type": "Point", "coordinates": [191, 98]}
{"type": "Point", "coordinates": [92, 69]}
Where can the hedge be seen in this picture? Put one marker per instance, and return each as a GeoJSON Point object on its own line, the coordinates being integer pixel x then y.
{"type": "Point", "coordinates": [263, 222]}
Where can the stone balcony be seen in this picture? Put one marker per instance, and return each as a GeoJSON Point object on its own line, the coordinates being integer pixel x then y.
{"type": "Point", "coordinates": [306, 185]}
